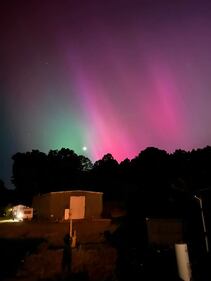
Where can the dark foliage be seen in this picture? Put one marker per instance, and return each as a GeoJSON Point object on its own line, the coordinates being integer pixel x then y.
{"type": "Point", "coordinates": [160, 179]}
{"type": "Point", "coordinates": [7, 196]}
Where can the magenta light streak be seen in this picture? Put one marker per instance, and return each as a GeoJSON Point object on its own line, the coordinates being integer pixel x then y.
{"type": "Point", "coordinates": [106, 132]}
{"type": "Point", "coordinates": [131, 109]}
{"type": "Point", "coordinates": [165, 109]}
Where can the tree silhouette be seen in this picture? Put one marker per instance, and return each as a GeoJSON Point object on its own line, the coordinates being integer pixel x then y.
{"type": "Point", "coordinates": [105, 175]}
{"type": "Point", "coordinates": [35, 172]}
{"type": "Point", "coordinates": [160, 181]}
{"type": "Point", "coordinates": [3, 191]}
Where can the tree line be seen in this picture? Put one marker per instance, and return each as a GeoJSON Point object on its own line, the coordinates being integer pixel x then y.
{"type": "Point", "coordinates": [158, 178]}
{"type": "Point", "coordinates": [152, 171]}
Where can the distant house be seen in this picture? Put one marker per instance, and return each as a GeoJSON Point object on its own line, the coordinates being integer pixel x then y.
{"type": "Point", "coordinates": [21, 212]}
{"type": "Point", "coordinates": [55, 205]}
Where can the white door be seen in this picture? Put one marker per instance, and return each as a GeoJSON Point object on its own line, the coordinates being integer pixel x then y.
{"type": "Point", "coordinates": [77, 207]}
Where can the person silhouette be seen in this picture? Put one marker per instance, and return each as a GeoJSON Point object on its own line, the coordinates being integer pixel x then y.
{"type": "Point", "coordinates": [67, 255]}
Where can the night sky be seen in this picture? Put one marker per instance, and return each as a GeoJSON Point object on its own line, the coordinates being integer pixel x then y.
{"type": "Point", "coordinates": [112, 76]}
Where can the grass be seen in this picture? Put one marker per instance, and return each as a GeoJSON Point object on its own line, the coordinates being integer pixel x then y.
{"type": "Point", "coordinates": [33, 250]}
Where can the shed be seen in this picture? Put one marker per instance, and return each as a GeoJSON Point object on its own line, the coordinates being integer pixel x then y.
{"type": "Point", "coordinates": [53, 205]}
{"type": "Point", "coordinates": [163, 231]}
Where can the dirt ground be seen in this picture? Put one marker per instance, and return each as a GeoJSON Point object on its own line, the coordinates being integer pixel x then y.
{"type": "Point", "coordinates": [34, 250]}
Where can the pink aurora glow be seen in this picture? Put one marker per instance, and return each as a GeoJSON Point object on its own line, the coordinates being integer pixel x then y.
{"type": "Point", "coordinates": [139, 115]}
{"type": "Point", "coordinates": [114, 76]}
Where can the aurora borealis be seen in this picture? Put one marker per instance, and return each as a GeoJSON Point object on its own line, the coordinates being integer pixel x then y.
{"type": "Point", "coordinates": [111, 76]}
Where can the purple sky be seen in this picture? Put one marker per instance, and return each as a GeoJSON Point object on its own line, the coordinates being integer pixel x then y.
{"type": "Point", "coordinates": [114, 76]}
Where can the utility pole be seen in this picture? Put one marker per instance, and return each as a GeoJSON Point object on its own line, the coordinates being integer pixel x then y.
{"type": "Point", "coordinates": [203, 223]}
{"type": "Point", "coordinates": [71, 223]}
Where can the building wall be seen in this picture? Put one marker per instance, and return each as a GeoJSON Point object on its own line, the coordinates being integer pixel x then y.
{"type": "Point", "coordinates": [93, 205]}
{"type": "Point", "coordinates": [41, 205]}
{"type": "Point", "coordinates": [164, 231]}
{"type": "Point", "coordinates": [59, 201]}
{"type": "Point", "coordinates": [52, 205]}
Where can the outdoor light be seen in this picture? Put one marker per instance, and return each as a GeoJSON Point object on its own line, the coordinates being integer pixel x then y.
{"type": "Point", "coordinates": [19, 215]}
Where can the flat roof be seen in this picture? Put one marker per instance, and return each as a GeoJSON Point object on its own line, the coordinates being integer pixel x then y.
{"type": "Point", "coordinates": [83, 191]}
